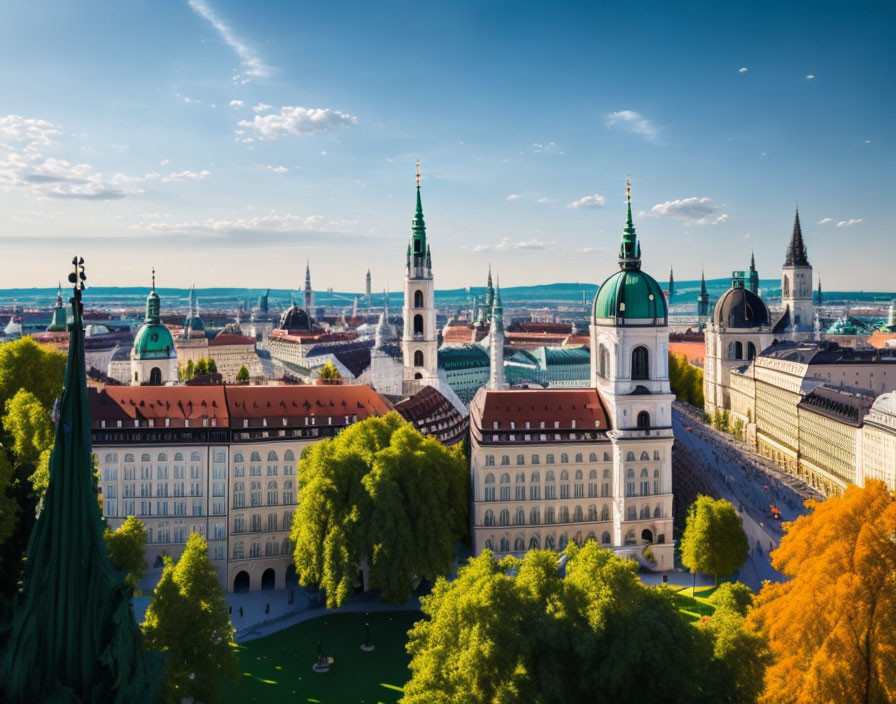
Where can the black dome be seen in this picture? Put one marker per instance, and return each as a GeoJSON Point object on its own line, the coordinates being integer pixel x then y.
{"type": "Point", "coordinates": [740, 308]}
{"type": "Point", "coordinates": [295, 319]}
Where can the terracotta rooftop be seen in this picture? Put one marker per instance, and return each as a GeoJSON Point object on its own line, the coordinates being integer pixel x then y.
{"type": "Point", "coordinates": [557, 409]}
{"type": "Point", "coordinates": [230, 339]}
{"type": "Point", "coordinates": [295, 403]}
{"type": "Point", "coordinates": [434, 415]}
{"type": "Point", "coordinates": [312, 337]}
{"type": "Point", "coordinates": [178, 404]}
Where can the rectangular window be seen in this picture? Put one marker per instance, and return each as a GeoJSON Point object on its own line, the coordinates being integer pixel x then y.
{"type": "Point", "coordinates": [550, 492]}
{"type": "Point", "coordinates": [505, 493]}
{"type": "Point", "coordinates": [219, 553]}
{"type": "Point", "coordinates": [605, 490]}
{"type": "Point", "coordinates": [180, 508]}
{"type": "Point", "coordinates": [521, 493]}
{"type": "Point", "coordinates": [489, 493]}
{"type": "Point", "coordinates": [219, 531]}
{"type": "Point", "coordinates": [564, 491]}
{"type": "Point", "coordinates": [535, 492]}
{"type": "Point", "coordinates": [592, 490]}
{"type": "Point", "coordinates": [162, 508]}
{"type": "Point", "coordinates": [110, 506]}
{"type": "Point", "coordinates": [197, 508]}
{"type": "Point", "coordinates": [218, 489]}
{"type": "Point", "coordinates": [579, 491]}
{"type": "Point", "coordinates": [179, 535]}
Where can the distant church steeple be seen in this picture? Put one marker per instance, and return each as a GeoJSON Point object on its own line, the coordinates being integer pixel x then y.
{"type": "Point", "coordinates": [309, 293]}
{"type": "Point", "coordinates": [496, 343]}
{"type": "Point", "coordinates": [753, 280]}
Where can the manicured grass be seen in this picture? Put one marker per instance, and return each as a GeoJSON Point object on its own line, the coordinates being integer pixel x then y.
{"type": "Point", "coordinates": [694, 606]}
{"type": "Point", "coordinates": [278, 668]}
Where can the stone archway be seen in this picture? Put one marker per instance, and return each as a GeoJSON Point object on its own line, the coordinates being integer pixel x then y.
{"type": "Point", "coordinates": [241, 582]}
{"type": "Point", "coordinates": [647, 535]}
{"type": "Point", "coordinates": [267, 578]}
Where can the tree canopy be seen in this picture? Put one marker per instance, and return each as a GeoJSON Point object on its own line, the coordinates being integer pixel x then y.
{"type": "Point", "coordinates": [329, 372]}
{"type": "Point", "coordinates": [832, 624]}
{"type": "Point", "coordinates": [24, 364]}
{"type": "Point", "coordinates": [516, 631]}
{"type": "Point", "coordinates": [380, 498]}
{"type": "Point", "coordinates": [685, 380]}
{"type": "Point", "coordinates": [714, 540]}
{"type": "Point", "coordinates": [188, 619]}
{"type": "Point", "coordinates": [242, 375]}
{"type": "Point", "coordinates": [127, 549]}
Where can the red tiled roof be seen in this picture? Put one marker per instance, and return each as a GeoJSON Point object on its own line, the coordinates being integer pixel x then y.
{"type": "Point", "coordinates": [311, 337]}
{"type": "Point", "coordinates": [274, 403]}
{"type": "Point", "coordinates": [579, 409]}
{"type": "Point", "coordinates": [231, 405]}
{"type": "Point", "coordinates": [150, 403]}
{"type": "Point", "coordinates": [555, 328]}
{"type": "Point", "coordinates": [434, 415]}
{"type": "Point", "coordinates": [464, 333]}
{"type": "Point", "coordinates": [228, 339]}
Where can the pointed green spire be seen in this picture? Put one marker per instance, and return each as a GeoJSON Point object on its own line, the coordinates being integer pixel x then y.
{"type": "Point", "coordinates": [497, 317]}
{"type": "Point", "coordinates": [153, 303]}
{"type": "Point", "coordinates": [73, 636]}
{"type": "Point", "coordinates": [630, 249]}
{"type": "Point", "coordinates": [418, 226]}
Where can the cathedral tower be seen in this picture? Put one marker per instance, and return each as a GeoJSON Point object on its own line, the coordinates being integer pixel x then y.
{"type": "Point", "coordinates": [309, 293]}
{"type": "Point", "coordinates": [796, 281]}
{"type": "Point", "coordinates": [418, 341]}
{"type": "Point", "coordinates": [753, 280]}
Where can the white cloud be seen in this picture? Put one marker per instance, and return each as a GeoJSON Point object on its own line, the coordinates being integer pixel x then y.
{"type": "Point", "coordinates": [549, 147]}
{"type": "Point", "coordinates": [276, 169]}
{"type": "Point", "coordinates": [742, 69]}
{"type": "Point", "coordinates": [187, 176]}
{"type": "Point", "coordinates": [294, 121]}
{"type": "Point", "coordinates": [633, 122]}
{"type": "Point", "coordinates": [236, 103]}
{"type": "Point", "coordinates": [514, 196]}
{"type": "Point", "coordinates": [273, 222]}
{"type": "Point", "coordinates": [591, 250]}
{"type": "Point", "coordinates": [253, 66]}
{"type": "Point", "coordinates": [261, 107]}
{"type": "Point", "coordinates": [14, 128]}
{"type": "Point", "coordinates": [506, 244]}
{"type": "Point", "coordinates": [824, 221]}
{"type": "Point", "coordinates": [810, 76]}
{"type": "Point", "coordinates": [849, 223]}
{"type": "Point", "coordinates": [165, 162]}
{"type": "Point", "coordinates": [593, 201]}
{"type": "Point", "coordinates": [694, 210]}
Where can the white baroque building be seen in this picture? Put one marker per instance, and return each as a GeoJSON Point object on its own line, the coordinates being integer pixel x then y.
{"type": "Point", "coordinates": [554, 465]}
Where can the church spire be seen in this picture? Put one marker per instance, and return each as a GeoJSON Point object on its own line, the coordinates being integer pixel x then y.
{"type": "Point", "coordinates": [630, 249]}
{"type": "Point", "coordinates": [418, 226]}
{"type": "Point", "coordinates": [753, 277]}
{"type": "Point", "coordinates": [309, 292]}
{"type": "Point", "coordinates": [153, 303]}
{"type": "Point", "coordinates": [73, 636]}
{"type": "Point", "coordinates": [496, 343]}
{"type": "Point", "coordinates": [796, 251]}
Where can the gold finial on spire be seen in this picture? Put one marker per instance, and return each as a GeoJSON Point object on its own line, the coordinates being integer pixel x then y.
{"type": "Point", "coordinates": [418, 173]}
{"type": "Point", "coordinates": [628, 189]}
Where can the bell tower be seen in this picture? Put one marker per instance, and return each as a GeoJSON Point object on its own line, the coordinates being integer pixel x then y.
{"type": "Point", "coordinates": [796, 282]}
{"type": "Point", "coordinates": [419, 341]}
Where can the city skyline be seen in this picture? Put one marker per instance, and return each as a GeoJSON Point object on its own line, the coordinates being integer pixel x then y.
{"type": "Point", "coordinates": [210, 127]}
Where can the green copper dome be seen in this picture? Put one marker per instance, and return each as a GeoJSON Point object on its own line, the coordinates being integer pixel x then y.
{"type": "Point", "coordinates": [153, 339]}
{"type": "Point", "coordinates": [630, 294]}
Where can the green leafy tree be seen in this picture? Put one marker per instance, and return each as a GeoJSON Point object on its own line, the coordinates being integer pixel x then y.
{"type": "Point", "coordinates": [242, 376]}
{"type": "Point", "coordinates": [24, 364]}
{"type": "Point", "coordinates": [382, 499]}
{"type": "Point", "coordinates": [127, 547]}
{"type": "Point", "coordinates": [188, 619]}
{"type": "Point", "coordinates": [714, 540]}
{"type": "Point", "coordinates": [8, 505]}
{"type": "Point", "coordinates": [329, 373]}
{"type": "Point", "coordinates": [212, 367]}
{"type": "Point", "coordinates": [27, 421]}
{"type": "Point", "coordinates": [516, 631]}
{"type": "Point", "coordinates": [190, 370]}
{"type": "Point", "coordinates": [200, 368]}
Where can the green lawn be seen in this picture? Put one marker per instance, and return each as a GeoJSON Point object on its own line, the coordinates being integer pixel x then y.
{"type": "Point", "coordinates": [278, 668]}
{"type": "Point", "coordinates": [694, 607]}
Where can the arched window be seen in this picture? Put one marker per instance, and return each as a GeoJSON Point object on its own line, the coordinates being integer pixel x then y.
{"type": "Point", "coordinates": [289, 456]}
{"type": "Point", "coordinates": [418, 358]}
{"type": "Point", "coordinates": [629, 456]}
{"type": "Point", "coordinates": [630, 538]}
{"type": "Point", "coordinates": [630, 482]}
{"type": "Point", "coordinates": [239, 494]}
{"type": "Point", "coordinates": [645, 482]}
{"type": "Point", "coordinates": [145, 457]}
{"type": "Point", "coordinates": [272, 521]}
{"type": "Point", "coordinates": [155, 377]}
{"type": "Point", "coordinates": [632, 514]}
{"type": "Point", "coordinates": [645, 457]}
{"type": "Point", "coordinates": [489, 518]}
{"type": "Point", "coordinates": [564, 458]}
{"type": "Point", "coordinates": [110, 458]}
{"type": "Point", "coordinates": [418, 324]}
{"type": "Point", "coordinates": [785, 287]}
{"type": "Point", "coordinates": [272, 457]}
{"type": "Point", "coordinates": [505, 545]}
{"type": "Point", "coordinates": [549, 515]}
{"type": "Point", "coordinates": [255, 457]}
{"type": "Point", "coordinates": [592, 457]}
{"type": "Point", "coordinates": [519, 544]}
{"type": "Point", "coordinates": [549, 459]}
{"type": "Point", "coordinates": [564, 514]}
{"type": "Point", "coordinates": [418, 299]}
{"type": "Point", "coordinates": [535, 478]}
{"type": "Point", "coordinates": [505, 487]}
{"type": "Point", "coordinates": [577, 515]}
{"type": "Point", "coordinates": [605, 513]}
{"type": "Point", "coordinates": [549, 542]}
{"type": "Point", "coordinates": [489, 487]}
{"type": "Point", "coordinates": [578, 457]}
{"type": "Point", "coordinates": [579, 475]}
{"type": "Point", "coordinates": [533, 542]}
{"type": "Point", "coordinates": [592, 475]}
{"type": "Point", "coordinates": [549, 477]}
{"type": "Point", "coordinates": [564, 476]}
{"type": "Point", "coordinates": [504, 517]}
{"type": "Point", "coordinates": [273, 495]}
{"type": "Point", "coordinates": [645, 511]}
{"type": "Point", "coordinates": [735, 350]}
{"type": "Point", "coordinates": [520, 517]}
{"type": "Point", "coordinates": [521, 459]}
{"type": "Point", "coordinates": [606, 457]}
{"type": "Point", "coordinates": [656, 455]}
{"type": "Point", "coordinates": [239, 524]}
{"type": "Point", "coordinates": [751, 350]}
{"type": "Point", "coordinates": [656, 481]}
{"type": "Point", "coordinates": [603, 357]}
{"type": "Point", "coordinates": [129, 457]}
{"type": "Point", "coordinates": [605, 538]}
{"type": "Point", "coordinates": [657, 511]}
{"type": "Point", "coordinates": [489, 545]}
{"type": "Point", "coordinates": [178, 456]}
{"type": "Point", "coordinates": [644, 420]}
{"type": "Point", "coordinates": [639, 363]}
{"type": "Point", "coordinates": [592, 512]}
{"type": "Point", "coordinates": [505, 460]}
{"type": "Point", "coordinates": [520, 478]}
{"type": "Point", "coordinates": [563, 541]}
{"type": "Point", "coordinates": [534, 517]}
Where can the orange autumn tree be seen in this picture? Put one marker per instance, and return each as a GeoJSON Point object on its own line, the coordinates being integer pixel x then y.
{"type": "Point", "coordinates": [832, 625]}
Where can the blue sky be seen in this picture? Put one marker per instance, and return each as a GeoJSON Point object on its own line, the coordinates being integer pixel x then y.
{"type": "Point", "coordinates": [226, 142]}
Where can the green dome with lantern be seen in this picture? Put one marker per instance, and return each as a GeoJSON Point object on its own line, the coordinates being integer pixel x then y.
{"type": "Point", "coordinates": [153, 339]}
{"type": "Point", "coordinates": [630, 296]}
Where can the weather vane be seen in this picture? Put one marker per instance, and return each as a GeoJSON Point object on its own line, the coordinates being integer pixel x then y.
{"type": "Point", "coordinates": [418, 173]}
{"type": "Point", "coordinates": [77, 279]}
